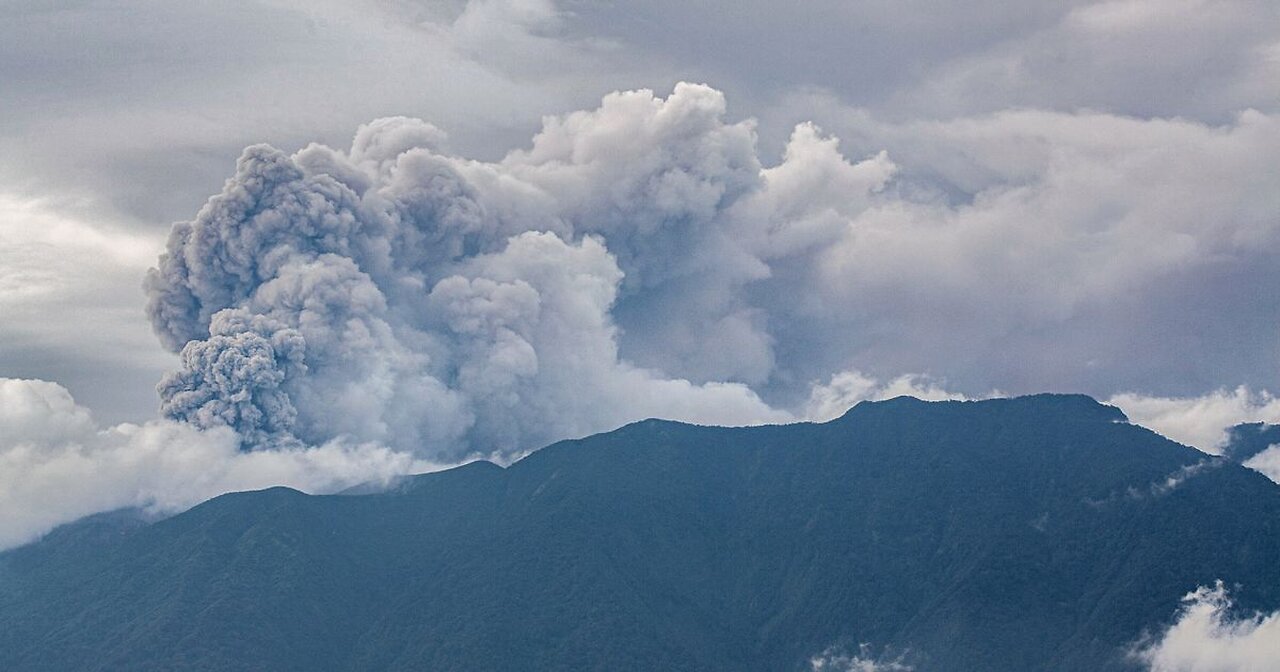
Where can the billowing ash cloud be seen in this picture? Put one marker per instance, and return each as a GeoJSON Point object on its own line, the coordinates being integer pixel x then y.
{"type": "Point", "coordinates": [394, 293]}
{"type": "Point", "coordinates": [638, 259]}
{"type": "Point", "coordinates": [1209, 637]}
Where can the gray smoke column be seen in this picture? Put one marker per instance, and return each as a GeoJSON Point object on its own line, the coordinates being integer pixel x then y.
{"type": "Point", "coordinates": [394, 293]}
{"type": "Point", "coordinates": [638, 259]}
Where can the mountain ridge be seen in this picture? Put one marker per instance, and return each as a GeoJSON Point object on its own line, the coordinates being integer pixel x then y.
{"type": "Point", "coordinates": [998, 534]}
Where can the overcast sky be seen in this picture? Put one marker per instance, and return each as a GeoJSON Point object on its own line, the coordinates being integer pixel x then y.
{"type": "Point", "coordinates": [1084, 196]}
{"type": "Point", "coordinates": [323, 243]}
{"type": "Point", "coordinates": [401, 234]}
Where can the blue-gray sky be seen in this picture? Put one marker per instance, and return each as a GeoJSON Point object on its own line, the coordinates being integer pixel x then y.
{"type": "Point", "coordinates": [849, 199]}
{"type": "Point", "coordinates": [119, 118]}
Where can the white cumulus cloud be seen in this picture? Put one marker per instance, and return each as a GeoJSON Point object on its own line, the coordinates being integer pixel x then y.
{"type": "Point", "coordinates": [1203, 421]}
{"type": "Point", "coordinates": [1208, 637]}
{"type": "Point", "coordinates": [58, 465]}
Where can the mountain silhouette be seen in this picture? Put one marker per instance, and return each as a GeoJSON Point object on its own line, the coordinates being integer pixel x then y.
{"type": "Point", "coordinates": [1035, 533]}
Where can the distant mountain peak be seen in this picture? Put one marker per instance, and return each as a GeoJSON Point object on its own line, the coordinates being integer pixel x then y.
{"type": "Point", "coordinates": [1076, 406]}
{"type": "Point", "coordinates": [1031, 533]}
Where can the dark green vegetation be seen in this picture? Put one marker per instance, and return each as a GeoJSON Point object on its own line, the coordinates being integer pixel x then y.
{"type": "Point", "coordinates": [1024, 534]}
{"type": "Point", "coordinates": [1247, 440]}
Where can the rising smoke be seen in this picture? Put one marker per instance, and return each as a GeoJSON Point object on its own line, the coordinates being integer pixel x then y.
{"type": "Point", "coordinates": [638, 259]}
{"type": "Point", "coordinates": [397, 294]}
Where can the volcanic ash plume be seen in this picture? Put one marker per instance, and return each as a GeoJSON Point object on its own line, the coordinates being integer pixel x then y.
{"type": "Point", "coordinates": [396, 294]}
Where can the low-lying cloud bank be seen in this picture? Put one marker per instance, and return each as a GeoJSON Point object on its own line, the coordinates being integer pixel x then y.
{"type": "Point", "coordinates": [1208, 637]}
{"type": "Point", "coordinates": [1202, 422]}
{"type": "Point", "coordinates": [57, 464]}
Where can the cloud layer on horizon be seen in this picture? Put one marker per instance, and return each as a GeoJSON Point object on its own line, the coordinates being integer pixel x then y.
{"type": "Point", "coordinates": [57, 464]}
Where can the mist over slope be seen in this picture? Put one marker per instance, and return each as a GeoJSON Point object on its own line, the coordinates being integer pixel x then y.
{"type": "Point", "coordinates": [1033, 533]}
